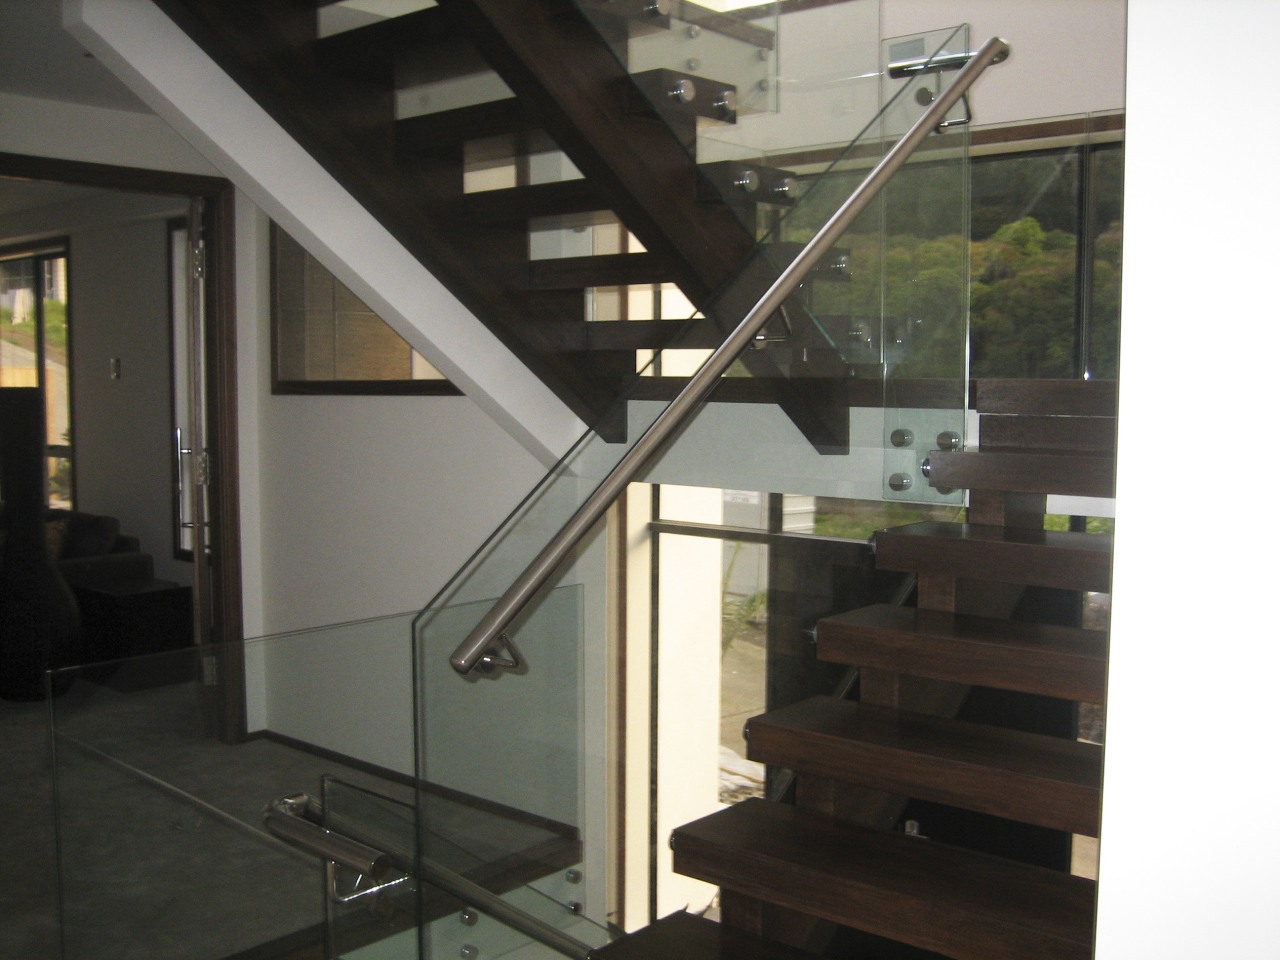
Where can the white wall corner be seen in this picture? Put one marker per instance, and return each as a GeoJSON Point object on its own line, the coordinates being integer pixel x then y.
{"type": "Point", "coordinates": [175, 78]}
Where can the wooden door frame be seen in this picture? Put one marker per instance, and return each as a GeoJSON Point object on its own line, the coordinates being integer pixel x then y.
{"type": "Point", "coordinates": [220, 349]}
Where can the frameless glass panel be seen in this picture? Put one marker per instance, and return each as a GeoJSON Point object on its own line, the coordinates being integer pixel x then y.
{"type": "Point", "coordinates": [532, 738]}
{"type": "Point", "coordinates": [1024, 299]}
{"type": "Point", "coordinates": [159, 822]}
{"type": "Point", "coordinates": [507, 765]}
{"type": "Point", "coordinates": [924, 265]}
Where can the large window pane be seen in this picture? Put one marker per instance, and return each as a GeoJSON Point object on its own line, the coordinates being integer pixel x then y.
{"type": "Point", "coordinates": [1024, 262]}
{"type": "Point", "coordinates": [33, 351]}
{"type": "Point", "coordinates": [1106, 202]}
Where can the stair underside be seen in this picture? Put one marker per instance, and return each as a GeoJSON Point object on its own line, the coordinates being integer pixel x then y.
{"type": "Point", "coordinates": [1053, 661]}
{"type": "Point", "coordinates": [1065, 474]}
{"type": "Point", "coordinates": [683, 936]}
{"type": "Point", "coordinates": [1042, 558]}
{"type": "Point", "coordinates": [962, 904]}
{"type": "Point", "coordinates": [1047, 781]}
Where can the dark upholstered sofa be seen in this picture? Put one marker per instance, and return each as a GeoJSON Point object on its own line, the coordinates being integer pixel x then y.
{"type": "Point", "coordinates": [90, 551]}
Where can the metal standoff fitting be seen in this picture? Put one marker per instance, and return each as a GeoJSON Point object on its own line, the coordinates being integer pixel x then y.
{"type": "Point", "coordinates": [574, 907]}
{"type": "Point", "coordinates": [683, 90]}
{"type": "Point", "coordinates": [727, 102]}
{"type": "Point", "coordinates": [658, 8]}
{"type": "Point", "coordinates": [900, 482]}
{"type": "Point", "coordinates": [693, 31]}
{"type": "Point", "coordinates": [747, 180]}
{"type": "Point", "coordinates": [692, 64]}
{"type": "Point", "coordinates": [468, 917]}
{"type": "Point", "coordinates": [926, 468]}
{"type": "Point", "coordinates": [784, 188]}
{"type": "Point", "coordinates": [469, 952]}
{"type": "Point", "coordinates": [948, 440]}
{"type": "Point", "coordinates": [902, 437]}
{"type": "Point", "coordinates": [573, 876]}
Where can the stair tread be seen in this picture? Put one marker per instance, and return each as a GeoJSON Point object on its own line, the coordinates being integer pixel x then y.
{"type": "Point", "coordinates": [1056, 661]}
{"type": "Point", "coordinates": [966, 905]}
{"type": "Point", "coordinates": [1025, 471]}
{"type": "Point", "coordinates": [1048, 781]}
{"type": "Point", "coordinates": [1090, 435]}
{"type": "Point", "coordinates": [370, 52]}
{"type": "Point", "coordinates": [617, 269]}
{"type": "Point", "coordinates": [1044, 558]}
{"type": "Point", "coordinates": [517, 204]}
{"type": "Point", "coordinates": [685, 936]}
{"type": "Point", "coordinates": [1072, 398]}
{"type": "Point", "coordinates": [446, 128]}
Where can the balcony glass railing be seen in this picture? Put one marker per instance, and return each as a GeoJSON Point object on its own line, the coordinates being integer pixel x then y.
{"type": "Point", "coordinates": [159, 819]}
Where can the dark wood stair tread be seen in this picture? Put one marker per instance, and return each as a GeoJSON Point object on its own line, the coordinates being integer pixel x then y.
{"type": "Point", "coordinates": [433, 132]}
{"type": "Point", "coordinates": [1042, 558]}
{"type": "Point", "coordinates": [1065, 474]}
{"type": "Point", "coordinates": [517, 204]}
{"type": "Point", "coordinates": [1073, 398]}
{"type": "Point", "coordinates": [684, 936]}
{"type": "Point", "coordinates": [370, 52]}
{"type": "Point", "coordinates": [1054, 661]}
{"type": "Point", "coordinates": [611, 270]}
{"type": "Point", "coordinates": [1048, 781]}
{"type": "Point", "coordinates": [1089, 435]}
{"type": "Point", "coordinates": [965, 905]}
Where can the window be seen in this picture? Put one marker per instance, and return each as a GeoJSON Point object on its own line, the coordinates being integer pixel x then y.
{"type": "Point", "coordinates": [34, 350]}
{"type": "Point", "coordinates": [326, 340]}
{"type": "Point", "coordinates": [1045, 299]}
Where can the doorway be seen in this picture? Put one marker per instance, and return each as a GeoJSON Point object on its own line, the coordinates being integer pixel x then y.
{"type": "Point", "coordinates": [216, 612]}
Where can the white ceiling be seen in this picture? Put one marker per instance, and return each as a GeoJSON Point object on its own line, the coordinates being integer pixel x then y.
{"type": "Point", "coordinates": [40, 59]}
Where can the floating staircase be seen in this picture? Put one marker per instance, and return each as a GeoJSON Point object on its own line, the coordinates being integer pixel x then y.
{"type": "Point", "coordinates": [846, 854]}
{"type": "Point", "coordinates": [561, 87]}
{"type": "Point", "coordinates": [841, 856]}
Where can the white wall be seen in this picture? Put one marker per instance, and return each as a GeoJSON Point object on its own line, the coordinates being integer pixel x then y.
{"type": "Point", "coordinates": [356, 507]}
{"type": "Point", "coordinates": [122, 427]}
{"type": "Point", "coordinates": [1068, 58]}
{"type": "Point", "coordinates": [73, 131]}
{"type": "Point", "coordinates": [1188, 851]}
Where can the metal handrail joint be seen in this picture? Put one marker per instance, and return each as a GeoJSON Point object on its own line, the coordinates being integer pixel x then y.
{"type": "Point", "coordinates": [296, 820]}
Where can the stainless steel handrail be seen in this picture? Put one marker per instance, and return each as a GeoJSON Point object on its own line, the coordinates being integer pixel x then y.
{"type": "Point", "coordinates": [294, 819]}
{"type": "Point", "coordinates": [481, 642]}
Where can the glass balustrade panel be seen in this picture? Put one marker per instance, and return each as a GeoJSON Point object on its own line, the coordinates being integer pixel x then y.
{"type": "Point", "coordinates": [800, 411]}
